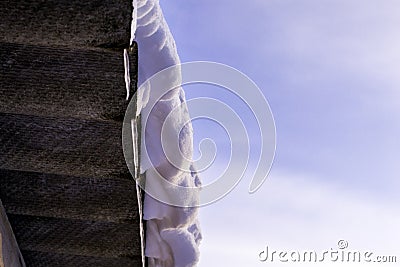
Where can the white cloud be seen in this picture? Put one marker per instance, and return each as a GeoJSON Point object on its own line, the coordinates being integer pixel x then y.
{"type": "Point", "coordinates": [296, 212]}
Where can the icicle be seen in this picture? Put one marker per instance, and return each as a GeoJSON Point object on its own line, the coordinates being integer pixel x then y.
{"type": "Point", "coordinates": [127, 74]}
{"type": "Point", "coordinates": [126, 54]}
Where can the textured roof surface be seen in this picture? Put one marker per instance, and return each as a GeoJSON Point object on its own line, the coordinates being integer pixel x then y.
{"type": "Point", "coordinates": [64, 183]}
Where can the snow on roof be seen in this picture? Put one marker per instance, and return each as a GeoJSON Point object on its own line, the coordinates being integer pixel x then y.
{"type": "Point", "coordinates": [173, 233]}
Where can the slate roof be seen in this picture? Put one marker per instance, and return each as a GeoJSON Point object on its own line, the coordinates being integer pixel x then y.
{"type": "Point", "coordinates": [64, 184]}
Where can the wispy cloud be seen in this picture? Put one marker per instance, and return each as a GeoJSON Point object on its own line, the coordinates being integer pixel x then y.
{"type": "Point", "coordinates": [296, 212]}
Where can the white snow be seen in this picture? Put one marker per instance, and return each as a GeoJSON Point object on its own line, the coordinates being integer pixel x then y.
{"type": "Point", "coordinates": [134, 21]}
{"type": "Point", "coordinates": [173, 233]}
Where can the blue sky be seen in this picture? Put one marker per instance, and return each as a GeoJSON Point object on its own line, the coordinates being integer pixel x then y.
{"type": "Point", "coordinates": [330, 71]}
